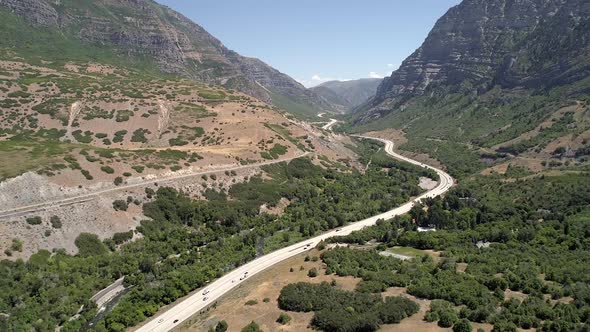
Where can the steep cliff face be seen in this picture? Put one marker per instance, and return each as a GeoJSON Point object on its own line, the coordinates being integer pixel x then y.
{"type": "Point", "coordinates": [480, 44]}
{"type": "Point", "coordinates": [143, 29]}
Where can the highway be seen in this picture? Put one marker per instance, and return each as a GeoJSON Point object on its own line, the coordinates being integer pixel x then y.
{"type": "Point", "coordinates": [330, 124]}
{"type": "Point", "coordinates": [186, 308]}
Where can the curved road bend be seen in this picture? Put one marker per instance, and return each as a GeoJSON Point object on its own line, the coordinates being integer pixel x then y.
{"type": "Point", "coordinates": [330, 124]}
{"type": "Point", "coordinates": [186, 308]}
{"type": "Point", "coordinates": [91, 195]}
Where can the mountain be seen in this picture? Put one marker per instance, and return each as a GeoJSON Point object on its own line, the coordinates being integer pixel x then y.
{"type": "Point", "coordinates": [479, 45]}
{"type": "Point", "coordinates": [149, 35]}
{"type": "Point", "coordinates": [346, 95]}
{"type": "Point", "coordinates": [494, 76]}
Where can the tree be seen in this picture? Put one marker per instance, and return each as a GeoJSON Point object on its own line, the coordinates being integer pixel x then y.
{"type": "Point", "coordinates": [462, 326]}
{"type": "Point", "coordinates": [89, 245]}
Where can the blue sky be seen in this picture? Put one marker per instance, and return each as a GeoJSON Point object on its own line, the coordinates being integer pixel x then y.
{"type": "Point", "coordinates": [318, 40]}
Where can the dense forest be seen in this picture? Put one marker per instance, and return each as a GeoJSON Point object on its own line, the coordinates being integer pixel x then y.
{"type": "Point", "coordinates": [534, 238]}
{"type": "Point", "coordinates": [338, 310]}
{"type": "Point", "coordinates": [186, 243]}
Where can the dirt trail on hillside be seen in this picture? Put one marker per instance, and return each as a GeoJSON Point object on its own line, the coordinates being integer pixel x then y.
{"type": "Point", "coordinates": [73, 114]}
{"type": "Point", "coordinates": [163, 118]}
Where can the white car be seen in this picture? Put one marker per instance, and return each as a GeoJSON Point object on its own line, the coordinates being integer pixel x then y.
{"type": "Point", "coordinates": [205, 292]}
{"type": "Point", "coordinates": [205, 298]}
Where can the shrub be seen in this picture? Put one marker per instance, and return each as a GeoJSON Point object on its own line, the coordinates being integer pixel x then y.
{"type": "Point", "coordinates": [118, 181]}
{"type": "Point", "coordinates": [120, 205]}
{"type": "Point", "coordinates": [107, 169]}
{"type": "Point", "coordinates": [86, 174]}
{"type": "Point", "coordinates": [139, 135]}
{"type": "Point", "coordinates": [266, 300]}
{"type": "Point", "coordinates": [252, 327]}
{"type": "Point", "coordinates": [17, 245]}
{"type": "Point", "coordinates": [462, 326]}
{"type": "Point", "coordinates": [283, 319]}
{"type": "Point", "coordinates": [138, 169]}
{"type": "Point", "coordinates": [312, 273]}
{"type": "Point", "coordinates": [251, 302]}
{"type": "Point", "coordinates": [220, 327]}
{"type": "Point", "coordinates": [123, 237]}
{"type": "Point", "coordinates": [89, 245]}
{"type": "Point", "coordinates": [34, 220]}
{"type": "Point", "coordinates": [55, 222]}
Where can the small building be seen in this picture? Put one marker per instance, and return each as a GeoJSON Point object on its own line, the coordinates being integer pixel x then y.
{"type": "Point", "coordinates": [426, 229]}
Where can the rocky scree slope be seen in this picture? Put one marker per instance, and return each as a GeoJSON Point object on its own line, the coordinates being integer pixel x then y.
{"type": "Point", "coordinates": [143, 30]}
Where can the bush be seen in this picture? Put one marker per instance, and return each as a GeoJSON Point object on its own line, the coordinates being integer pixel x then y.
{"type": "Point", "coordinates": [312, 273]}
{"type": "Point", "coordinates": [120, 205]}
{"type": "Point", "coordinates": [118, 181]}
{"type": "Point", "coordinates": [220, 327]}
{"type": "Point", "coordinates": [55, 222]}
{"type": "Point", "coordinates": [17, 245]}
{"type": "Point", "coordinates": [138, 169]}
{"type": "Point", "coordinates": [252, 327]}
{"type": "Point", "coordinates": [107, 169]}
{"type": "Point", "coordinates": [266, 300]}
{"type": "Point", "coordinates": [283, 319]}
{"type": "Point", "coordinates": [34, 220]}
{"type": "Point", "coordinates": [123, 237]}
{"type": "Point", "coordinates": [462, 326]}
{"type": "Point", "coordinates": [87, 174]}
{"type": "Point", "coordinates": [90, 245]}
{"type": "Point", "coordinates": [251, 302]}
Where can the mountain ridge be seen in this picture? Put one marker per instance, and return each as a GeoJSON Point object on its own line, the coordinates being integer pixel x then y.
{"type": "Point", "coordinates": [346, 95]}
{"type": "Point", "coordinates": [144, 29]}
{"type": "Point", "coordinates": [480, 44]}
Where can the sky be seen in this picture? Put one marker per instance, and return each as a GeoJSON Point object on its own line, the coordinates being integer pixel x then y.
{"type": "Point", "coordinates": [315, 41]}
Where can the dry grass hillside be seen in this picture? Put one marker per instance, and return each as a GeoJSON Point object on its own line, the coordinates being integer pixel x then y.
{"type": "Point", "coordinates": [75, 138]}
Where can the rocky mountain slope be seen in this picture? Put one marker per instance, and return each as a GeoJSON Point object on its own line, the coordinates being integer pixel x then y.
{"type": "Point", "coordinates": [477, 45]}
{"type": "Point", "coordinates": [490, 73]}
{"type": "Point", "coordinates": [346, 95]}
{"type": "Point", "coordinates": [150, 34]}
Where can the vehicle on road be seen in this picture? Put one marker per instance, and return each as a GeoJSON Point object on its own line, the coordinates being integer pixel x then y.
{"type": "Point", "coordinates": [205, 298]}
{"type": "Point", "coordinates": [205, 292]}
{"type": "Point", "coordinates": [160, 320]}
{"type": "Point", "coordinates": [175, 321]}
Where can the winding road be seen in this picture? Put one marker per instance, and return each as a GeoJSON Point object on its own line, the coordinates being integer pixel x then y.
{"type": "Point", "coordinates": [186, 308]}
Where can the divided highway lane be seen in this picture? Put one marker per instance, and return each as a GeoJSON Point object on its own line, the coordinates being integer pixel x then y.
{"type": "Point", "coordinates": [184, 309]}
